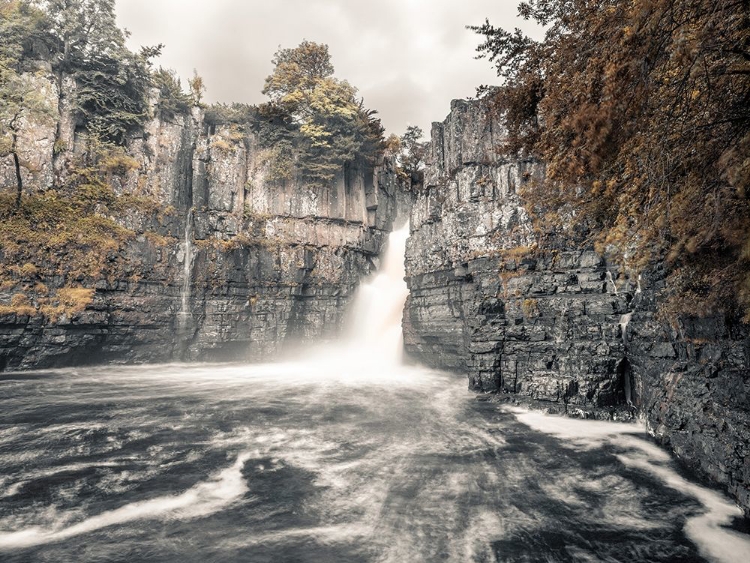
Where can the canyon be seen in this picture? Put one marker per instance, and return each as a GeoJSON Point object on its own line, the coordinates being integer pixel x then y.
{"type": "Point", "coordinates": [228, 264]}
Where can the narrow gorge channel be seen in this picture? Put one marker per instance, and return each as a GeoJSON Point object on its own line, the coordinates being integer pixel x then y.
{"type": "Point", "coordinates": [343, 454]}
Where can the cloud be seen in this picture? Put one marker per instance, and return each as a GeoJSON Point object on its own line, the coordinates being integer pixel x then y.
{"type": "Point", "coordinates": [408, 58]}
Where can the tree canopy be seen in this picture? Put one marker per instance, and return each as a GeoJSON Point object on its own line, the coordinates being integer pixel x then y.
{"type": "Point", "coordinates": [22, 28]}
{"type": "Point", "coordinates": [410, 152]}
{"type": "Point", "coordinates": [83, 29]}
{"type": "Point", "coordinates": [81, 39]}
{"type": "Point", "coordinates": [297, 73]}
{"type": "Point", "coordinates": [641, 111]}
{"type": "Point", "coordinates": [332, 128]}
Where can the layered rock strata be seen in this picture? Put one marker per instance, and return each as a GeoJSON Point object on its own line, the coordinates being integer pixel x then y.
{"type": "Point", "coordinates": [226, 265]}
{"type": "Point", "coordinates": [562, 329]}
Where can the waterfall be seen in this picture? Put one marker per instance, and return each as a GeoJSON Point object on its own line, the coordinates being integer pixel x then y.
{"type": "Point", "coordinates": [374, 327]}
{"type": "Point", "coordinates": [624, 322]}
{"type": "Point", "coordinates": [187, 251]}
{"type": "Point", "coordinates": [611, 280]}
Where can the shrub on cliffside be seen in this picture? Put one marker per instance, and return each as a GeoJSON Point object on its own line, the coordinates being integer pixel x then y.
{"type": "Point", "coordinates": [641, 111]}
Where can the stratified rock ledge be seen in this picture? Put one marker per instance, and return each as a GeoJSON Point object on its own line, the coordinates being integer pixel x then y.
{"type": "Point", "coordinates": [563, 330]}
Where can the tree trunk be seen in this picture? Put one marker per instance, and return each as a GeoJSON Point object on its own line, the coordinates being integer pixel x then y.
{"type": "Point", "coordinates": [57, 151]}
{"type": "Point", "coordinates": [19, 180]}
{"type": "Point", "coordinates": [17, 164]}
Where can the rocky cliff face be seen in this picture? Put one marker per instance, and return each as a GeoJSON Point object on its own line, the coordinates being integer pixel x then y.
{"type": "Point", "coordinates": [218, 263]}
{"type": "Point", "coordinates": [564, 329]}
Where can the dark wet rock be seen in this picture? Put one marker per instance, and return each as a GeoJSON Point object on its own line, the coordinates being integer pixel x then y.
{"type": "Point", "coordinates": [563, 331]}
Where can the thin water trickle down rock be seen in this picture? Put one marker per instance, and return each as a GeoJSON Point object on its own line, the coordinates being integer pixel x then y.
{"type": "Point", "coordinates": [184, 315]}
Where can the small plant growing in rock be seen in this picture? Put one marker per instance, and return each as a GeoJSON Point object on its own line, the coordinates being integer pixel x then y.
{"type": "Point", "coordinates": [117, 162]}
{"type": "Point", "coordinates": [28, 271]}
{"type": "Point", "coordinates": [21, 305]}
{"type": "Point", "coordinates": [68, 301]}
{"type": "Point", "coordinates": [221, 145]}
{"type": "Point", "coordinates": [530, 308]}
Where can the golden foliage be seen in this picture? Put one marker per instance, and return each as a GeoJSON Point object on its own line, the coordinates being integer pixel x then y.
{"type": "Point", "coordinates": [328, 126]}
{"type": "Point", "coordinates": [530, 308]}
{"type": "Point", "coordinates": [68, 301]}
{"type": "Point", "coordinates": [641, 113]}
{"type": "Point", "coordinates": [118, 163]}
{"type": "Point", "coordinates": [20, 305]}
{"type": "Point", "coordinates": [71, 232]}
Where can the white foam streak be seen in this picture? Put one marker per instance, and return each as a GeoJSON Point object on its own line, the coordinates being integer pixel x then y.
{"type": "Point", "coordinates": [707, 530]}
{"type": "Point", "coordinates": [580, 432]}
{"type": "Point", "coordinates": [201, 500]}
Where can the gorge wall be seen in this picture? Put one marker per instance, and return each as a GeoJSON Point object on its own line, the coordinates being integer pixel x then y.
{"type": "Point", "coordinates": [566, 328]}
{"type": "Point", "coordinates": [215, 261]}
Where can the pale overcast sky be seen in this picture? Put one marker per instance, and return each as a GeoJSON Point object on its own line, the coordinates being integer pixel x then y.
{"type": "Point", "coordinates": [408, 58]}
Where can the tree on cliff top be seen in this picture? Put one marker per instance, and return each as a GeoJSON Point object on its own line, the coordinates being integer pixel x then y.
{"type": "Point", "coordinates": [83, 29]}
{"type": "Point", "coordinates": [111, 98]}
{"type": "Point", "coordinates": [641, 111]}
{"type": "Point", "coordinates": [297, 74]}
{"type": "Point", "coordinates": [410, 153]}
{"type": "Point", "coordinates": [333, 126]}
{"type": "Point", "coordinates": [413, 152]}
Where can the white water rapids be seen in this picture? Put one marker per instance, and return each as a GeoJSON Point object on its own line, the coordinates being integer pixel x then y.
{"type": "Point", "coordinates": [344, 455]}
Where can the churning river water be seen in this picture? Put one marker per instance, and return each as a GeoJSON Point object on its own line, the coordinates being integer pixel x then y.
{"type": "Point", "coordinates": [343, 456]}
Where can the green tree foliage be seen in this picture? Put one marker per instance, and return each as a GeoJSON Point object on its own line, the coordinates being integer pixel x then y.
{"type": "Point", "coordinates": [331, 127]}
{"type": "Point", "coordinates": [297, 74]}
{"type": "Point", "coordinates": [410, 152]}
{"type": "Point", "coordinates": [113, 83]}
{"type": "Point", "coordinates": [83, 30]}
{"type": "Point", "coordinates": [82, 40]}
{"type": "Point", "coordinates": [641, 111]}
{"type": "Point", "coordinates": [172, 100]}
{"type": "Point", "coordinates": [23, 29]}
{"type": "Point", "coordinates": [413, 152]}
{"type": "Point", "coordinates": [112, 94]}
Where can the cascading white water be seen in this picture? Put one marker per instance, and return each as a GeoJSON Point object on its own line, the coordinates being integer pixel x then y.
{"type": "Point", "coordinates": [374, 329]}
{"type": "Point", "coordinates": [184, 313]}
{"type": "Point", "coordinates": [371, 346]}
